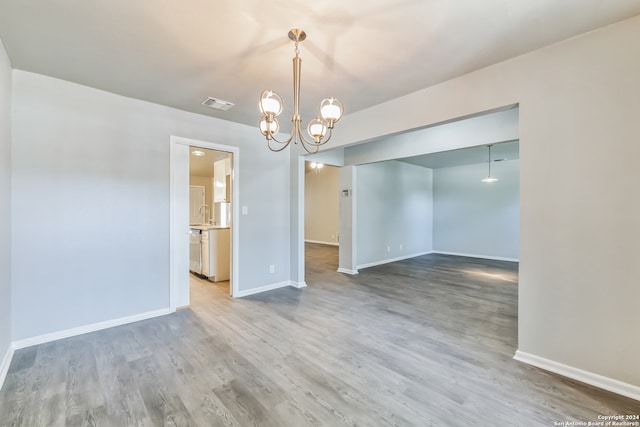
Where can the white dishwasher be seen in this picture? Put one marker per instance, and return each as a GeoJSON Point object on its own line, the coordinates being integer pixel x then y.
{"type": "Point", "coordinates": [195, 250]}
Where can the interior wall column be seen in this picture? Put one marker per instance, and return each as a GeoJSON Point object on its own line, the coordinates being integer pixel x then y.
{"type": "Point", "coordinates": [297, 216]}
{"type": "Point", "coordinates": [348, 221]}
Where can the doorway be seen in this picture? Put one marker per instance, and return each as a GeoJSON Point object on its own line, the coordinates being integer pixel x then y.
{"type": "Point", "coordinates": [181, 216]}
{"type": "Point", "coordinates": [210, 206]}
{"type": "Point", "coordinates": [321, 216]}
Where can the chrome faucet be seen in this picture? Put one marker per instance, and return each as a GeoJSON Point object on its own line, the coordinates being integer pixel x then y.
{"type": "Point", "coordinates": [207, 213]}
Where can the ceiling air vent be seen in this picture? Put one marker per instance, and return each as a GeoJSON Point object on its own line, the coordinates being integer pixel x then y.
{"type": "Point", "coordinates": [217, 104]}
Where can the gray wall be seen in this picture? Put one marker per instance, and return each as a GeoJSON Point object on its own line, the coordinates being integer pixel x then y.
{"type": "Point", "coordinates": [5, 204]}
{"type": "Point", "coordinates": [90, 205]}
{"type": "Point", "coordinates": [499, 126]}
{"type": "Point", "coordinates": [579, 228]}
{"type": "Point", "coordinates": [394, 211]}
{"type": "Point", "coordinates": [321, 205]}
{"type": "Point", "coordinates": [475, 218]}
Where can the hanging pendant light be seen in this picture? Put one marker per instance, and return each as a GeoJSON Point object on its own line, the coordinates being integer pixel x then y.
{"type": "Point", "coordinates": [271, 104]}
{"type": "Point", "coordinates": [489, 178]}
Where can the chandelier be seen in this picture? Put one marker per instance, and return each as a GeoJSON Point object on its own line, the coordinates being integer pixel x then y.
{"type": "Point", "coordinates": [319, 129]}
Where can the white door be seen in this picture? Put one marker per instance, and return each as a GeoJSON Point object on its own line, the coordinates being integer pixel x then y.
{"type": "Point", "coordinates": [196, 200]}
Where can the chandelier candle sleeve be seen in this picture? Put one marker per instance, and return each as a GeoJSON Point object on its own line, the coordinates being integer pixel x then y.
{"type": "Point", "coordinates": [319, 129]}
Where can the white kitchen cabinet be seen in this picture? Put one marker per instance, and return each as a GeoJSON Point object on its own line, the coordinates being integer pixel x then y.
{"type": "Point", "coordinates": [221, 180]}
{"type": "Point", "coordinates": [216, 260]}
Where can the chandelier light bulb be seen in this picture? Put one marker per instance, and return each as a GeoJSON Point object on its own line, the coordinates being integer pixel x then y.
{"type": "Point", "coordinates": [269, 127]}
{"type": "Point", "coordinates": [331, 110]}
{"type": "Point", "coordinates": [270, 103]}
{"type": "Point", "coordinates": [317, 128]}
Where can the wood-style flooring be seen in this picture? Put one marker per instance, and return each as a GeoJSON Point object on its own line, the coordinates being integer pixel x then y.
{"type": "Point", "coordinates": [425, 341]}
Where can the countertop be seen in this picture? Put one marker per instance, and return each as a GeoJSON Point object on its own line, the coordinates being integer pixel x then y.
{"type": "Point", "coordinates": [207, 227]}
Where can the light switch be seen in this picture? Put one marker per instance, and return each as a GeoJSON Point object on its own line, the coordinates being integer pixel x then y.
{"type": "Point", "coordinates": [245, 210]}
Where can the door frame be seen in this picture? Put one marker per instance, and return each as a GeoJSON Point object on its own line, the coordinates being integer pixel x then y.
{"type": "Point", "coordinates": [179, 227]}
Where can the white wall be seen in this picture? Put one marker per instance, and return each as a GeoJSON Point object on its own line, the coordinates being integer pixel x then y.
{"type": "Point", "coordinates": [475, 218]}
{"type": "Point", "coordinates": [90, 190]}
{"type": "Point", "coordinates": [394, 212]}
{"type": "Point", "coordinates": [5, 206]}
{"type": "Point", "coordinates": [579, 229]}
{"type": "Point", "coordinates": [321, 205]}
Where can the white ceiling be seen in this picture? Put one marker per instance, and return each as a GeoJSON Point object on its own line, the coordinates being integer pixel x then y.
{"type": "Point", "coordinates": [203, 165]}
{"type": "Point", "coordinates": [177, 53]}
{"type": "Point", "coordinates": [467, 156]}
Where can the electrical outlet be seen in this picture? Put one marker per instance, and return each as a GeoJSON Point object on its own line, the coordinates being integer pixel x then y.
{"type": "Point", "coordinates": [400, 246]}
{"type": "Point", "coordinates": [388, 248]}
{"type": "Point", "coordinates": [272, 268]}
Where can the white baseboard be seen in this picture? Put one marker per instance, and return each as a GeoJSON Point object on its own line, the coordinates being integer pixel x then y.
{"type": "Point", "coordinates": [4, 365]}
{"type": "Point", "coordinates": [298, 285]}
{"type": "Point", "coordinates": [495, 258]}
{"type": "Point", "coordinates": [586, 377]}
{"type": "Point", "coordinates": [322, 243]}
{"type": "Point", "coordinates": [347, 271]}
{"type": "Point", "coordinates": [265, 288]}
{"type": "Point", "coordinates": [53, 336]}
{"type": "Point", "coordinates": [387, 261]}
